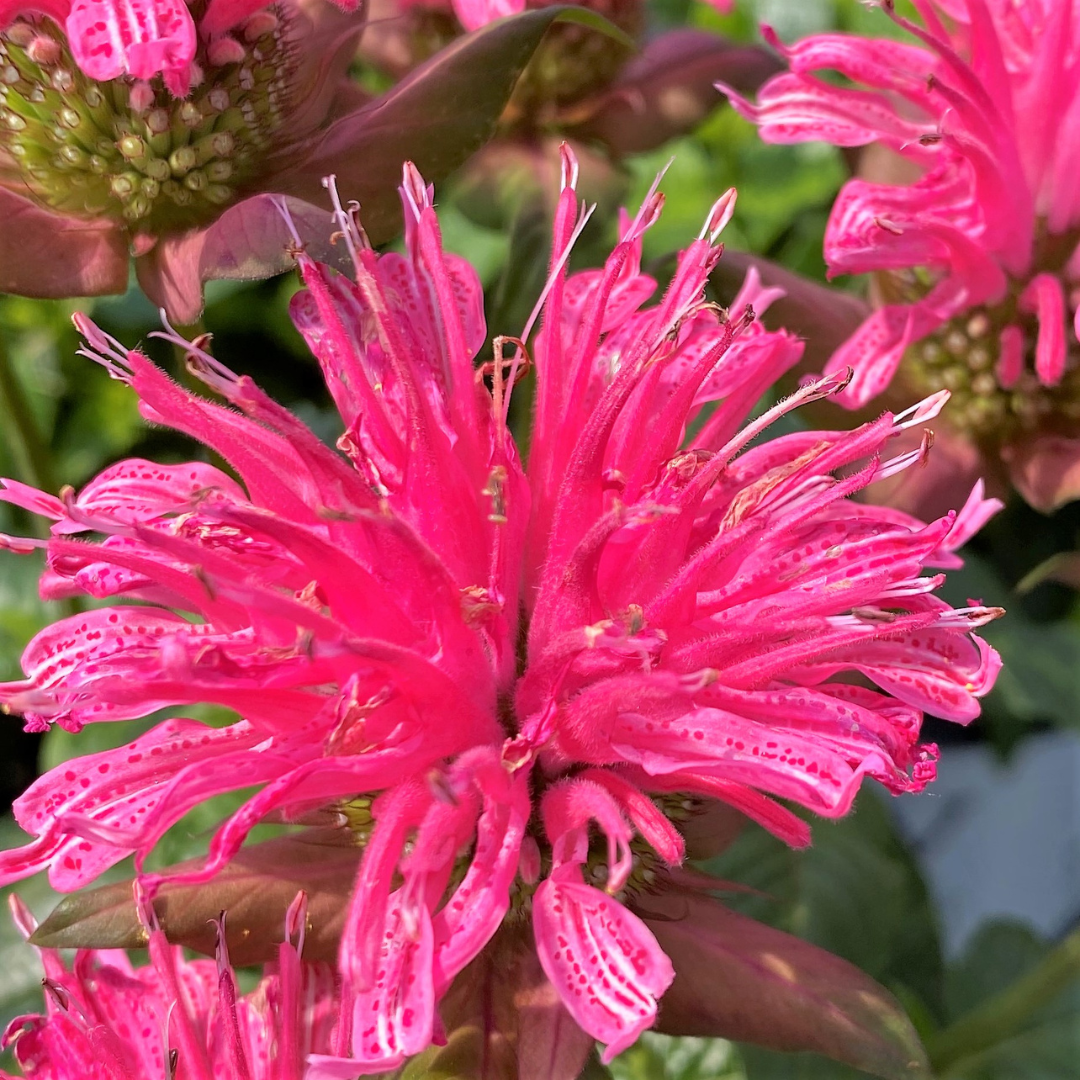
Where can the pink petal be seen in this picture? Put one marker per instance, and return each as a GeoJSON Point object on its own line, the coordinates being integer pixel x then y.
{"type": "Point", "coordinates": [875, 350]}
{"type": "Point", "coordinates": [476, 13]}
{"type": "Point", "coordinates": [110, 38]}
{"type": "Point", "coordinates": [1010, 365]}
{"type": "Point", "coordinates": [474, 911]}
{"type": "Point", "coordinates": [392, 1019]}
{"type": "Point", "coordinates": [793, 108]}
{"type": "Point", "coordinates": [1045, 298]}
{"type": "Point", "coordinates": [603, 961]}
{"type": "Point", "coordinates": [136, 490]}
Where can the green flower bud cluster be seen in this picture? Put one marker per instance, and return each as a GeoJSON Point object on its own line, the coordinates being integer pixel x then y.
{"type": "Point", "coordinates": [962, 357]}
{"type": "Point", "coordinates": [129, 150]}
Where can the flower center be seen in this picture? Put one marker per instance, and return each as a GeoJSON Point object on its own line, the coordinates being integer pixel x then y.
{"type": "Point", "coordinates": [989, 403]}
{"type": "Point", "coordinates": [130, 150]}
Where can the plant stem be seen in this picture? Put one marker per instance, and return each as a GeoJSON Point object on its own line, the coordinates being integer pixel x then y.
{"type": "Point", "coordinates": [31, 452]}
{"type": "Point", "coordinates": [1006, 1013]}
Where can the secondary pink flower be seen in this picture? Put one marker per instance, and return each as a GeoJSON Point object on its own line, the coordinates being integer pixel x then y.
{"type": "Point", "coordinates": [175, 1018]}
{"type": "Point", "coordinates": [109, 149]}
{"type": "Point", "coordinates": [524, 668]}
{"type": "Point", "coordinates": [975, 254]}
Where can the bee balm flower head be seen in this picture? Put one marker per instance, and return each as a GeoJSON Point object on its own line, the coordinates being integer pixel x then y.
{"type": "Point", "coordinates": [975, 256]}
{"type": "Point", "coordinates": [532, 674]}
{"type": "Point", "coordinates": [122, 124]}
{"type": "Point", "coordinates": [174, 1017]}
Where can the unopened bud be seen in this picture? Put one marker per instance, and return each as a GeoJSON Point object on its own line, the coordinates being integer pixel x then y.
{"type": "Point", "coordinates": [219, 171]}
{"type": "Point", "coordinates": [218, 99]}
{"type": "Point", "coordinates": [259, 25]}
{"type": "Point", "coordinates": [44, 50]}
{"type": "Point", "coordinates": [182, 160]}
{"type": "Point", "coordinates": [140, 97]}
{"type": "Point", "coordinates": [719, 216]}
{"type": "Point", "coordinates": [225, 50]}
{"type": "Point", "coordinates": [157, 121]}
{"type": "Point", "coordinates": [190, 115]}
{"type": "Point", "coordinates": [131, 146]}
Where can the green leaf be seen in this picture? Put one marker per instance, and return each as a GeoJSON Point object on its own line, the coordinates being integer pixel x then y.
{"type": "Point", "coordinates": [665, 1057]}
{"type": "Point", "coordinates": [741, 979]}
{"type": "Point", "coordinates": [855, 892]}
{"type": "Point", "coordinates": [1023, 1009]}
{"type": "Point", "coordinates": [255, 890]}
{"type": "Point", "coordinates": [996, 956]}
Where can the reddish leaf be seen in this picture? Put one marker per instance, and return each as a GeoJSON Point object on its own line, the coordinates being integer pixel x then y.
{"type": "Point", "coordinates": [740, 979]}
{"type": "Point", "coordinates": [48, 255]}
{"type": "Point", "coordinates": [255, 891]}
{"type": "Point", "coordinates": [1045, 470]}
{"type": "Point", "coordinates": [437, 117]}
{"type": "Point", "coordinates": [250, 240]}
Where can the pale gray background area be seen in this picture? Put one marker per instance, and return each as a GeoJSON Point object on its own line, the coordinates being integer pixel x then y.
{"type": "Point", "coordinates": [1000, 839]}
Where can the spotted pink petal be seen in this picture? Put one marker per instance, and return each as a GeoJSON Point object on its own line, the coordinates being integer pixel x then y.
{"type": "Point", "coordinates": [1045, 298]}
{"type": "Point", "coordinates": [601, 958]}
{"type": "Point", "coordinates": [875, 350]}
{"type": "Point", "coordinates": [392, 1019]}
{"type": "Point", "coordinates": [141, 38]}
{"type": "Point", "coordinates": [475, 909]}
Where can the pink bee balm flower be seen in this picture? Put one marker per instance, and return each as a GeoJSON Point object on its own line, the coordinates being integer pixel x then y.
{"type": "Point", "coordinates": [975, 253]}
{"type": "Point", "coordinates": [530, 671]}
{"type": "Point", "coordinates": [137, 143]}
{"type": "Point", "coordinates": [175, 1018]}
{"type": "Point", "coordinates": [119, 150]}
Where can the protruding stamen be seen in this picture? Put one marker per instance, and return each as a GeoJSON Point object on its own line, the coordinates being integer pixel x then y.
{"type": "Point", "coordinates": [570, 167]}
{"type": "Point", "coordinates": [719, 216]}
